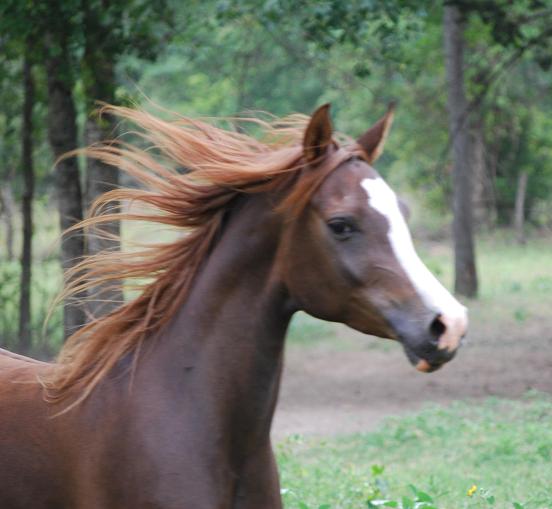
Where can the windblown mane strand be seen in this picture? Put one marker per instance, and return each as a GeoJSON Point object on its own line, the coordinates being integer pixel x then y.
{"type": "Point", "coordinates": [219, 164]}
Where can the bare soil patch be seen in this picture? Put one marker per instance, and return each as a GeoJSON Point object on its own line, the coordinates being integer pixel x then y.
{"type": "Point", "coordinates": [354, 382]}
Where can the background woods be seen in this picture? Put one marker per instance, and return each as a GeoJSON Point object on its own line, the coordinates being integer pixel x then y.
{"type": "Point", "coordinates": [75, 47]}
{"type": "Point", "coordinates": [471, 144]}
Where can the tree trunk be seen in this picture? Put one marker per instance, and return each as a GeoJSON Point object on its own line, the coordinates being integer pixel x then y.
{"type": "Point", "coordinates": [62, 132]}
{"type": "Point", "coordinates": [519, 213]}
{"type": "Point", "coordinates": [8, 211]}
{"type": "Point", "coordinates": [480, 179]}
{"type": "Point", "coordinates": [100, 178]}
{"type": "Point", "coordinates": [465, 271]}
{"type": "Point", "coordinates": [25, 341]}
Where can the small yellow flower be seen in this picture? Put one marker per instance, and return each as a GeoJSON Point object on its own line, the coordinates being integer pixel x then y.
{"type": "Point", "coordinates": [472, 490]}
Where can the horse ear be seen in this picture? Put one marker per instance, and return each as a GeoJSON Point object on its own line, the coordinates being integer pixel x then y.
{"type": "Point", "coordinates": [318, 135]}
{"type": "Point", "coordinates": [373, 140]}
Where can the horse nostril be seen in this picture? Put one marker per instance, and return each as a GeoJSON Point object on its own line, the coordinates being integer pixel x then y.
{"type": "Point", "coordinates": [437, 328]}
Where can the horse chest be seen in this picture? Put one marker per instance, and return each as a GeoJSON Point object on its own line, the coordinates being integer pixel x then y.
{"type": "Point", "coordinates": [168, 458]}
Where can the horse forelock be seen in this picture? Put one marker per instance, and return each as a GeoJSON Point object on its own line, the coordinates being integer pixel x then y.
{"type": "Point", "coordinates": [219, 164]}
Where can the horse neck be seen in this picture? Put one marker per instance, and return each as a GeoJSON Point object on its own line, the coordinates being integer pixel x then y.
{"type": "Point", "coordinates": [226, 342]}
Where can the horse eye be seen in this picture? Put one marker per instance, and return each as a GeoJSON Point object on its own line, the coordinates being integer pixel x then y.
{"type": "Point", "coordinates": [341, 228]}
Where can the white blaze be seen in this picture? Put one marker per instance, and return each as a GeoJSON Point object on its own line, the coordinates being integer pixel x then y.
{"type": "Point", "coordinates": [382, 198]}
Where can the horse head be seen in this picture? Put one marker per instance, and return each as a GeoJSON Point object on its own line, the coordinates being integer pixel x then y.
{"type": "Point", "coordinates": [348, 256]}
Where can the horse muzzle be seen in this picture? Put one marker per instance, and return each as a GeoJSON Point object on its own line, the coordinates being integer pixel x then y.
{"type": "Point", "coordinates": [432, 342]}
{"type": "Point", "coordinates": [429, 361]}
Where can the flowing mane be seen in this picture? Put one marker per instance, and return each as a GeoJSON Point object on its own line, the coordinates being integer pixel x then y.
{"type": "Point", "coordinates": [218, 165]}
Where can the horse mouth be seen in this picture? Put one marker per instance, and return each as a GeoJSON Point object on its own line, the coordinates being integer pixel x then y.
{"type": "Point", "coordinates": [425, 367]}
{"type": "Point", "coordinates": [421, 364]}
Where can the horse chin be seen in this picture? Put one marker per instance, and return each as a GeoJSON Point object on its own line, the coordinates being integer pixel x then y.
{"type": "Point", "coordinates": [425, 367]}
{"type": "Point", "coordinates": [420, 364]}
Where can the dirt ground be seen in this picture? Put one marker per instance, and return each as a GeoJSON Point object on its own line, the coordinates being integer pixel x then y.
{"type": "Point", "coordinates": [352, 386]}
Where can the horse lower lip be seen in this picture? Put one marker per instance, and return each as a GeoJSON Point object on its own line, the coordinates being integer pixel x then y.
{"type": "Point", "coordinates": [420, 363]}
{"type": "Point", "coordinates": [425, 367]}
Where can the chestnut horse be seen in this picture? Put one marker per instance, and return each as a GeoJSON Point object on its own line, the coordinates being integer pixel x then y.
{"type": "Point", "coordinates": [167, 402]}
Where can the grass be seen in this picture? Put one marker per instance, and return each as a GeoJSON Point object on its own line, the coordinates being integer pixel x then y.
{"type": "Point", "coordinates": [502, 447]}
{"type": "Point", "coordinates": [305, 330]}
{"type": "Point", "coordinates": [504, 267]}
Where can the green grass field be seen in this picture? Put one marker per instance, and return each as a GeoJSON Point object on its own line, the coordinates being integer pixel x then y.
{"type": "Point", "coordinates": [503, 448]}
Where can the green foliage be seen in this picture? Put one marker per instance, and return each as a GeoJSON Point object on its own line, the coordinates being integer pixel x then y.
{"type": "Point", "coordinates": [522, 142]}
{"type": "Point", "coordinates": [224, 57]}
{"type": "Point", "coordinates": [252, 73]}
{"type": "Point", "coordinates": [467, 456]}
{"type": "Point", "coordinates": [359, 56]}
{"type": "Point", "coordinates": [108, 32]}
{"type": "Point", "coordinates": [331, 23]}
{"type": "Point", "coordinates": [10, 100]}
{"type": "Point", "coordinates": [131, 26]}
{"type": "Point", "coordinates": [46, 283]}
{"type": "Point", "coordinates": [521, 24]}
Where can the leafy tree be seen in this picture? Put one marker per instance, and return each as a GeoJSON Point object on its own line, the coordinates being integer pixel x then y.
{"type": "Point", "coordinates": [9, 127]}
{"type": "Point", "coordinates": [79, 42]}
{"type": "Point", "coordinates": [465, 281]}
{"type": "Point", "coordinates": [111, 30]}
{"type": "Point", "coordinates": [519, 36]}
{"type": "Point", "coordinates": [49, 29]}
{"type": "Point", "coordinates": [27, 163]}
